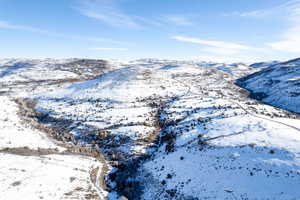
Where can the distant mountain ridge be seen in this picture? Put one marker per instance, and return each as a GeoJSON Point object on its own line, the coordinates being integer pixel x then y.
{"type": "Point", "coordinates": [264, 64]}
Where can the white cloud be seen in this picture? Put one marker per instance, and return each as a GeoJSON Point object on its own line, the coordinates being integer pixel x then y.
{"type": "Point", "coordinates": [178, 20]}
{"type": "Point", "coordinates": [10, 26]}
{"type": "Point", "coordinates": [146, 21]}
{"type": "Point", "coordinates": [255, 13]}
{"type": "Point", "coordinates": [110, 12]}
{"type": "Point", "coordinates": [108, 49]}
{"type": "Point", "coordinates": [290, 41]}
{"type": "Point", "coordinates": [7, 25]}
{"type": "Point", "coordinates": [217, 47]}
{"type": "Point", "coordinates": [219, 44]}
{"type": "Point", "coordinates": [97, 39]}
{"type": "Point", "coordinates": [277, 11]}
{"type": "Point", "coordinates": [106, 11]}
{"type": "Point", "coordinates": [289, 13]}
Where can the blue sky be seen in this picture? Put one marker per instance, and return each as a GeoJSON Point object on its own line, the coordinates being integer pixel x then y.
{"type": "Point", "coordinates": [215, 30]}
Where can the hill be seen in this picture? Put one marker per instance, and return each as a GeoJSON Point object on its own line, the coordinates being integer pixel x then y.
{"type": "Point", "coordinates": [277, 85]}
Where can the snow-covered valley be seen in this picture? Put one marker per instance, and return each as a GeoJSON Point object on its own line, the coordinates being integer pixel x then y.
{"type": "Point", "coordinates": [167, 130]}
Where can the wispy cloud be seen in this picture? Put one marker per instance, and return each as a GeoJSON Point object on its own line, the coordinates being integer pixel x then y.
{"type": "Point", "coordinates": [107, 11]}
{"type": "Point", "coordinates": [217, 47]}
{"type": "Point", "coordinates": [16, 27]}
{"type": "Point", "coordinates": [96, 39]}
{"type": "Point", "coordinates": [111, 13]}
{"type": "Point", "coordinates": [267, 12]}
{"type": "Point", "coordinates": [7, 25]}
{"type": "Point", "coordinates": [289, 14]}
{"type": "Point", "coordinates": [254, 13]}
{"type": "Point", "coordinates": [178, 20]}
{"type": "Point", "coordinates": [108, 49]}
{"type": "Point", "coordinates": [147, 21]}
{"type": "Point", "coordinates": [290, 41]}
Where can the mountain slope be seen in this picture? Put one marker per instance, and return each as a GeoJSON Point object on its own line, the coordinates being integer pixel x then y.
{"type": "Point", "coordinates": [264, 64]}
{"type": "Point", "coordinates": [278, 85]}
{"type": "Point", "coordinates": [169, 130]}
{"type": "Point", "coordinates": [180, 131]}
{"type": "Point", "coordinates": [23, 76]}
{"type": "Point", "coordinates": [34, 166]}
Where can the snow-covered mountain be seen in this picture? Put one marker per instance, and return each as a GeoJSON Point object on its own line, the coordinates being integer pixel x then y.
{"type": "Point", "coordinates": [167, 130]}
{"type": "Point", "coordinates": [264, 64]}
{"type": "Point", "coordinates": [22, 76]}
{"type": "Point", "coordinates": [235, 69]}
{"type": "Point", "coordinates": [278, 85]}
{"type": "Point", "coordinates": [180, 130]}
{"type": "Point", "coordinates": [34, 166]}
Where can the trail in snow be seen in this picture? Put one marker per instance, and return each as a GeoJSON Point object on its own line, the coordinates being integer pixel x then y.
{"type": "Point", "coordinates": [260, 117]}
{"type": "Point", "coordinates": [254, 115]}
{"type": "Point", "coordinates": [102, 193]}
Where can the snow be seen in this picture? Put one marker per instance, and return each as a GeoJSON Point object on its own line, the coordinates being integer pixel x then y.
{"type": "Point", "coordinates": [38, 177]}
{"type": "Point", "coordinates": [30, 77]}
{"type": "Point", "coordinates": [46, 177]}
{"type": "Point", "coordinates": [227, 173]}
{"type": "Point", "coordinates": [125, 84]}
{"type": "Point", "coordinates": [23, 70]}
{"type": "Point", "coordinates": [264, 64]}
{"type": "Point", "coordinates": [15, 134]}
{"type": "Point", "coordinates": [253, 159]}
{"type": "Point", "coordinates": [32, 165]}
{"type": "Point", "coordinates": [224, 145]}
{"type": "Point", "coordinates": [113, 101]}
{"type": "Point", "coordinates": [278, 85]}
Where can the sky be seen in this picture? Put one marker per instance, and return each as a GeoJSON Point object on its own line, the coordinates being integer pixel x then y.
{"type": "Point", "coordinates": [209, 30]}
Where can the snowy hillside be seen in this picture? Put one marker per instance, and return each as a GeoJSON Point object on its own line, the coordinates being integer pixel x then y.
{"type": "Point", "coordinates": [278, 85]}
{"type": "Point", "coordinates": [146, 129]}
{"type": "Point", "coordinates": [24, 76]}
{"type": "Point", "coordinates": [264, 64]}
{"type": "Point", "coordinates": [33, 165]}
{"type": "Point", "coordinates": [180, 131]}
{"type": "Point", "coordinates": [234, 69]}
